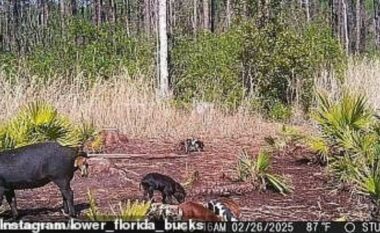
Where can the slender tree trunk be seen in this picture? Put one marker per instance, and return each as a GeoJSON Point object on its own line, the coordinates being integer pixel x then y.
{"type": "Point", "coordinates": [376, 4]}
{"type": "Point", "coordinates": [228, 13]}
{"type": "Point", "coordinates": [345, 26]}
{"type": "Point", "coordinates": [195, 16]}
{"type": "Point", "coordinates": [163, 37]}
{"type": "Point", "coordinates": [213, 15]}
{"type": "Point", "coordinates": [74, 7]}
{"type": "Point", "coordinates": [62, 10]}
{"type": "Point", "coordinates": [45, 13]}
{"type": "Point", "coordinates": [171, 16]}
{"type": "Point", "coordinates": [98, 10]}
{"type": "Point", "coordinates": [153, 6]}
{"type": "Point", "coordinates": [127, 16]}
{"type": "Point", "coordinates": [357, 26]}
{"type": "Point", "coordinates": [307, 9]}
{"type": "Point", "coordinates": [206, 14]}
{"type": "Point", "coordinates": [146, 16]}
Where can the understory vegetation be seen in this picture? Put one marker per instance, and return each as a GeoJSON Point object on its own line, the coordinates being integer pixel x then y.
{"type": "Point", "coordinates": [40, 122]}
{"type": "Point", "coordinates": [270, 69]}
{"type": "Point", "coordinates": [257, 171]}
{"type": "Point", "coordinates": [129, 211]}
{"type": "Point", "coordinates": [349, 143]}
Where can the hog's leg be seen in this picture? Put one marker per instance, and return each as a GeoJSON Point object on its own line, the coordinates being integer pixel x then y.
{"type": "Point", "coordinates": [11, 199]}
{"type": "Point", "coordinates": [150, 192]}
{"type": "Point", "coordinates": [67, 195]}
{"type": "Point", "coordinates": [167, 196]}
{"type": "Point", "coordinates": [2, 191]}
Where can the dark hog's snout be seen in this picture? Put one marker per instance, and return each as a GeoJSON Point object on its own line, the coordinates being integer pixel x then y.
{"type": "Point", "coordinates": [82, 165]}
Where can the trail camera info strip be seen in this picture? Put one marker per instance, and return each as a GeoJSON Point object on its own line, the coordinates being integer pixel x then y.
{"type": "Point", "coordinates": [189, 226]}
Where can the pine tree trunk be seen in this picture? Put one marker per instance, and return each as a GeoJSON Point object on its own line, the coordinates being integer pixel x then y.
{"type": "Point", "coordinates": [307, 9]}
{"type": "Point", "coordinates": [74, 7]}
{"type": "Point", "coordinates": [62, 10]}
{"type": "Point", "coordinates": [376, 4]}
{"type": "Point", "coordinates": [228, 13]}
{"type": "Point", "coordinates": [127, 16]}
{"type": "Point", "coordinates": [195, 16]}
{"type": "Point", "coordinates": [95, 7]}
{"type": "Point", "coordinates": [146, 16]}
{"type": "Point", "coordinates": [163, 41]}
{"type": "Point", "coordinates": [357, 26]}
{"type": "Point", "coordinates": [206, 14]}
{"type": "Point", "coordinates": [345, 26]}
{"type": "Point", "coordinates": [213, 15]}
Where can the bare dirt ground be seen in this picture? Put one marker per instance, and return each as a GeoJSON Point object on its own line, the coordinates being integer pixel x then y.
{"type": "Point", "coordinates": [116, 179]}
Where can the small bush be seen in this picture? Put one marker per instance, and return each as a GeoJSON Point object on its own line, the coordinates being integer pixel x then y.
{"type": "Point", "coordinates": [320, 147]}
{"type": "Point", "coordinates": [280, 112]}
{"type": "Point", "coordinates": [207, 69]}
{"type": "Point", "coordinates": [367, 180]}
{"type": "Point", "coordinates": [257, 171]}
{"type": "Point", "coordinates": [288, 136]}
{"type": "Point", "coordinates": [130, 211]}
{"type": "Point", "coordinates": [39, 122]}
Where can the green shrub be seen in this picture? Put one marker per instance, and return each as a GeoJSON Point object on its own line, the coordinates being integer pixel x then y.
{"type": "Point", "coordinates": [280, 112]}
{"type": "Point", "coordinates": [39, 122]}
{"type": "Point", "coordinates": [87, 50]}
{"type": "Point", "coordinates": [273, 66]}
{"type": "Point", "coordinates": [130, 211]}
{"type": "Point", "coordinates": [349, 138]}
{"type": "Point", "coordinates": [347, 123]}
{"type": "Point", "coordinates": [367, 180]}
{"type": "Point", "coordinates": [257, 172]}
{"type": "Point", "coordinates": [280, 62]}
{"type": "Point", "coordinates": [207, 68]}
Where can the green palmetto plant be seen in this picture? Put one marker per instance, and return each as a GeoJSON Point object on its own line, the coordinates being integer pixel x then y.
{"type": "Point", "coordinates": [342, 168]}
{"type": "Point", "coordinates": [259, 171]}
{"type": "Point", "coordinates": [367, 180]}
{"type": "Point", "coordinates": [351, 113]}
{"type": "Point", "coordinates": [130, 211]}
{"type": "Point", "coordinates": [39, 122]}
{"type": "Point", "coordinates": [347, 134]}
{"type": "Point", "coordinates": [320, 147]}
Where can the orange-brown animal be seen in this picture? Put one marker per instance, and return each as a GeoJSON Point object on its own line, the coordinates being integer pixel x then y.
{"type": "Point", "coordinates": [196, 211]}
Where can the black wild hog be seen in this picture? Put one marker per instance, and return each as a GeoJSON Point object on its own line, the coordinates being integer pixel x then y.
{"type": "Point", "coordinates": [166, 185]}
{"type": "Point", "coordinates": [36, 165]}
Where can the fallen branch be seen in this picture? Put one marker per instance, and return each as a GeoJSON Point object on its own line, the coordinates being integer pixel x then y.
{"type": "Point", "coordinates": [137, 156]}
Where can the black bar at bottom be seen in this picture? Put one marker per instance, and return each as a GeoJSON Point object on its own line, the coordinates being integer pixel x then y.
{"type": "Point", "coordinates": [191, 226]}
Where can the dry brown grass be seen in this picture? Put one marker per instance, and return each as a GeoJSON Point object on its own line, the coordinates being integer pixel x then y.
{"type": "Point", "coordinates": [130, 106]}
{"type": "Point", "coordinates": [362, 76]}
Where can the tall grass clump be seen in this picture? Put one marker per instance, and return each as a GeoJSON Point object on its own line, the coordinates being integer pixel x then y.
{"type": "Point", "coordinates": [362, 76]}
